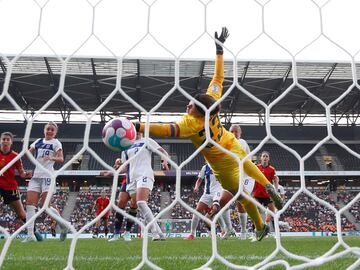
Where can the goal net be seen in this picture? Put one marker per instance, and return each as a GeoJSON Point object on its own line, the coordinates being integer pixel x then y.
{"type": "Point", "coordinates": [176, 39]}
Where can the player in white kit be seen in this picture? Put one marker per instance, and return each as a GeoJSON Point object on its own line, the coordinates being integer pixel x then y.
{"type": "Point", "coordinates": [140, 178]}
{"type": "Point", "coordinates": [46, 151]}
{"type": "Point", "coordinates": [210, 197]}
{"type": "Point", "coordinates": [249, 183]}
{"type": "Point", "coordinates": [283, 224]}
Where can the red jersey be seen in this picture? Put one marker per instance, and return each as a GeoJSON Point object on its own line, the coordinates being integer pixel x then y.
{"type": "Point", "coordinates": [123, 181]}
{"type": "Point", "coordinates": [269, 172]}
{"type": "Point", "coordinates": [7, 178]}
{"type": "Point", "coordinates": [101, 204]}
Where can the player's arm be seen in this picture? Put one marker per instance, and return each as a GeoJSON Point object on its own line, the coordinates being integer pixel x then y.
{"type": "Point", "coordinates": [106, 173]}
{"type": "Point", "coordinates": [276, 182]}
{"type": "Point", "coordinates": [282, 195]}
{"type": "Point", "coordinates": [116, 166]}
{"type": "Point", "coordinates": [160, 130]}
{"type": "Point", "coordinates": [198, 184]}
{"type": "Point", "coordinates": [164, 162]}
{"type": "Point", "coordinates": [201, 176]}
{"type": "Point", "coordinates": [155, 145]}
{"type": "Point", "coordinates": [216, 85]}
{"type": "Point", "coordinates": [94, 206]}
{"type": "Point", "coordinates": [32, 147]}
{"type": "Point", "coordinates": [58, 157]}
{"type": "Point", "coordinates": [20, 169]}
{"type": "Point", "coordinates": [181, 129]}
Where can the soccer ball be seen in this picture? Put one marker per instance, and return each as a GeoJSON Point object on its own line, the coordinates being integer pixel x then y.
{"type": "Point", "coordinates": [119, 134]}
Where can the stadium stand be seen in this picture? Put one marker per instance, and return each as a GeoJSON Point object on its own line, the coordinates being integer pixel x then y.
{"type": "Point", "coordinates": [302, 140]}
{"type": "Point", "coordinates": [303, 215]}
{"type": "Point", "coordinates": [9, 220]}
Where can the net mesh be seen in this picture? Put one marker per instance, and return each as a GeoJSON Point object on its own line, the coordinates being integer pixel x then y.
{"type": "Point", "coordinates": [270, 260]}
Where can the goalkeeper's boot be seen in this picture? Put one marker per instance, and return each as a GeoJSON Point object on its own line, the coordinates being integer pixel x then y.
{"type": "Point", "coordinates": [275, 197]}
{"type": "Point", "coordinates": [261, 234]}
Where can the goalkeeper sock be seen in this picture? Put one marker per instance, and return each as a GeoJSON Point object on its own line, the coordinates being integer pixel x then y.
{"type": "Point", "coordinates": [30, 212]}
{"type": "Point", "coordinates": [253, 171]}
{"type": "Point", "coordinates": [253, 213]}
{"type": "Point", "coordinates": [129, 222]}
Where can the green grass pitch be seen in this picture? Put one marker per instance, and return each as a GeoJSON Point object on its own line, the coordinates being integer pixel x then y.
{"type": "Point", "coordinates": [173, 253]}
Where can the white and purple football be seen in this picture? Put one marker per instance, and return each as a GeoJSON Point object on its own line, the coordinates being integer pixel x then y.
{"type": "Point", "coordinates": [119, 134]}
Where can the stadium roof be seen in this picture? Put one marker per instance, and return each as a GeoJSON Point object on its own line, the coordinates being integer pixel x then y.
{"type": "Point", "coordinates": [89, 81]}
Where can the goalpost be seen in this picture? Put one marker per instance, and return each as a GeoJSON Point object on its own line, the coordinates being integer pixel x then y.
{"type": "Point", "coordinates": [271, 260]}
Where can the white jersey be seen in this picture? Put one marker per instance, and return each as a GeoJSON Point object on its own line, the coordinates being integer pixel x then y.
{"type": "Point", "coordinates": [247, 150]}
{"type": "Point", "coordinates": [249, 183]}
{"type": "Point", "coordinates": [281, 190]}
{"type": "Point", "coordinates": [42, 149]}
{"type": "Point", "coordinates": [140, 166]}
{"type": "Point", "coordinates": [245, 146]}
{"type": "Point", "coordinates": [211, 183]}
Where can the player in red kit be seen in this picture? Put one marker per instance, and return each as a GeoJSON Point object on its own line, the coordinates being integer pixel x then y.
{"type": "Point", "coordinates": [259, 192]}
{"type": "Point", "coordinates": [100, 204]}
{"type": "Point", "coordinates": [8, 184]}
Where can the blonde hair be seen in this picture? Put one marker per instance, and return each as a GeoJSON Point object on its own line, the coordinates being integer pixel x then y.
{"type": "Point", "coordinates": [235, 126]}
{"type": "Point", "coordinates": [51, 123]}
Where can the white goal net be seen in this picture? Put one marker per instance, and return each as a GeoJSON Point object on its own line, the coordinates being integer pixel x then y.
{"type": "Point", "coordinates": [122, 32]}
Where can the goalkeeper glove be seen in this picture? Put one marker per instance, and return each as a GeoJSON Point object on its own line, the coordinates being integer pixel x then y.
{"type": "Point", "coordinates": [223, 36]}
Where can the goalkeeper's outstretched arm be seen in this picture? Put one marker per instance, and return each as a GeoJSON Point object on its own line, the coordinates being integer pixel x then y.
{"type": "Point", "coordinates": [185, 127]}
{"type": "Point", "coordinates": [216, 85]}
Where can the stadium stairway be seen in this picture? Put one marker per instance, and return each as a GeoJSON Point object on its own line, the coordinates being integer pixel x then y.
{"type": "Point", "coordinates": [349, 216]}
{"type": "Point", "coordinates": [336, 163]}
{"type": "Point", "coordinates": [165, 200]}
{"type": "Point", "coordinates": [69, 207]}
